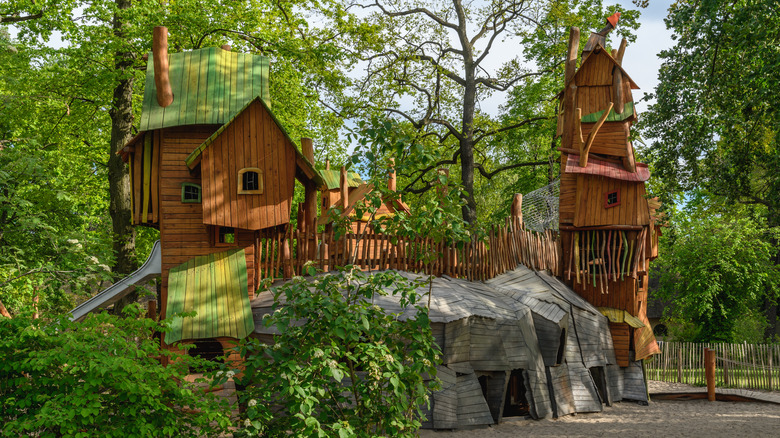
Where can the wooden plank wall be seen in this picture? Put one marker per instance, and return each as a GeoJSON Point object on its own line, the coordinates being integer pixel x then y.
{"type": "Point", "coordinates": [621, 340]}
{"type": "Point", "coordinates": [612, 138]}
{"type": "Point", "coordinates": [252, 140]}
{"type": "Point", "coordinates": [182, 232]}
{"type": "Point", "coordinates": [144, 179]}
{"type": "Point", "coordinates": [590, 209]}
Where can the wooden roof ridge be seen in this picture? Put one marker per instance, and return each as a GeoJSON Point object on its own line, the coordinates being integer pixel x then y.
{"type": "Point", "coordinates": [357, 195]}
{"type": "Point", "coordinates": [604, 52]}
{"type": "Point", "coordinates": [307, 167]}
{"type": "Point", "coordinates": [598, 49]}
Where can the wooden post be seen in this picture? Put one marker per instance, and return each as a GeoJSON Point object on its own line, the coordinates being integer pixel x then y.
{"type": "Point", "coordinates": [286, 258]}
{"type": "Point", "coordinates": [709, 368]}
{"type": "Point", "coordinates": [309, 204]}
{"type": "Point", "coordinates": [570, 92]}
{"type": "Point", "coordinates": [391, 181]}
{"type": "Point", "coordinates": [160, 58]}
{"type": "Point", "coordinates": [151, 310]}
{"type": "Point", "coordinates": [344, 186]}
{"type": "Point", "coordinates": [517, 208]}
{"type": "Point", "coordinates": [679, 363]}
{"type": "Point", "coordinates": [226, 47]}
{"type": "Point", "coordinates": [725, 365]}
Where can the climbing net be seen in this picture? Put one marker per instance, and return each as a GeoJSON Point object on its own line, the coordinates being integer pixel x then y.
{"type": "Point", "coordinates": [540, 208]}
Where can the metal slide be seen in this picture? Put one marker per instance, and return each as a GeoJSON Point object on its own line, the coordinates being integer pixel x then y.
{"type": "Point", "coordinates": [152, 267]}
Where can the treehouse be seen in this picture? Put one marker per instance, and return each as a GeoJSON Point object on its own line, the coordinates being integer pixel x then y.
{"type": "Point", "coordinates": [211, 168]}
{"type": "Point", "coordinates": [607, 224]}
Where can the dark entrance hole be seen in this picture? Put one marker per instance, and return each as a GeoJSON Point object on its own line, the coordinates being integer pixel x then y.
{"type": "Point", "coordinates": [516, 404]}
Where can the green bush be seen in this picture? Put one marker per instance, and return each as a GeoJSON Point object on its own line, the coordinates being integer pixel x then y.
{"type": "Point", "coordinates": [340, 366]}
{"type": "Point", "coordinates": [98, 377]}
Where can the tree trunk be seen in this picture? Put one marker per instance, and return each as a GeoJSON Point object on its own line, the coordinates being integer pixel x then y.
{"type": "Point", "coordinates": [770, 305]}
{"type": "Point", "coordinates": [118, 176]}
{"type": "Point", "coordinates": [469, 210]}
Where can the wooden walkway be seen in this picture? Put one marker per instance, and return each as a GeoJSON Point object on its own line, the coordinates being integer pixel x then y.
{"type": "Point", "coordinates": [679, 391]}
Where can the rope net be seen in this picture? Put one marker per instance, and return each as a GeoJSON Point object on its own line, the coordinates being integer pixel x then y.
{"type": "Point", "coordinates": [540, 208]}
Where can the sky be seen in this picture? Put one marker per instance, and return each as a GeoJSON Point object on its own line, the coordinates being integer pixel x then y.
{"type": "Point", "coordinates": [640, 61]}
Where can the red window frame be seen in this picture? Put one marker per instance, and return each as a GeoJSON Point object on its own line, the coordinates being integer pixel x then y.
{"type": "Point", "coordinates": [606, 199]}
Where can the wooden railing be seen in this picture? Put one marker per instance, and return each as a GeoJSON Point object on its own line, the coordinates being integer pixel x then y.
{"type": "Point", "coordinates": [283, 254]}
{"type": "Point", "coordinates": [746, 366]}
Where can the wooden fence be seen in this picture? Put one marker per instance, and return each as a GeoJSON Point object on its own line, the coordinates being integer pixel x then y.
{"type": "Point", "coordinates": [284, 253]}
{"type": "Point", "coordinates": [745, 366]}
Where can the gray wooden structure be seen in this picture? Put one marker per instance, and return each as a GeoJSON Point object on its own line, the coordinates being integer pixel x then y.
{"type": "Point", "coordinates": [522, 343]}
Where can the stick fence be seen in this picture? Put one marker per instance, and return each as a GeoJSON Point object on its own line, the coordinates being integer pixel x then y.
{"type": "Point", "coordinates": [744, 366]}
{"type": "Point", "coordinates": [283, 254]}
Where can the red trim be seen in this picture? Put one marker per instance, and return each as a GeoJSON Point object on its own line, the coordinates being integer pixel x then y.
{"type": "Point", "coordinates": [606, 199]}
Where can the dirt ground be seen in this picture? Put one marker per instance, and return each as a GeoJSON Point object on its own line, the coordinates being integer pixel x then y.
{"type": "Point", "coordinates": [661, 418]}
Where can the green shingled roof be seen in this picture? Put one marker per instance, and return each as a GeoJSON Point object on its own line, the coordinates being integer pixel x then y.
{"type": "Point", "coordinates": [333, 179]}
{"type": "Point", "coordinates": [209, 87]}
{"type": "Point", "coordinates": [628, 111]}
{"type": "Point", "coordinates": [214, 286]}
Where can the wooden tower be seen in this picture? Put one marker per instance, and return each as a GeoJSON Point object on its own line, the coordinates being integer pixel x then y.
{"type": "Point", "coordinates": [211, 168]}
{"type": "Point", "coordinates": [607, 223]}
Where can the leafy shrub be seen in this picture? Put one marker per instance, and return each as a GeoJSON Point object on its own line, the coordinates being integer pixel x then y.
{"type": "Point", "coordinates": [98, 377]}
{"type": "Point", "coordinates": [340, 366]}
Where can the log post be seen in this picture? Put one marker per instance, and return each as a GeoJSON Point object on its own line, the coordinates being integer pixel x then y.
{"type": "Point", "coordinates": [391, 181]}
{"type": "Point", "coordinates": [570, 92]}
{"type": "Point", "coordinates": [151, 310]}
{"type": "Point", "coordinates": [310, 203]}
{"type": "Point", "coordinates": [226, 47]}
{"type": "Point", "coordinates": [517, 208]}
{"type": "Point", "coordinates": [709, 368]}
{"type": "Point", "coordinates": [160, 57]}
{"type": "Point", "coordinates": [344, 186]}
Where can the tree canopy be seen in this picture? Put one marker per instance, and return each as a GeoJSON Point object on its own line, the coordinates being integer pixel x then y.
{"type": "Point", "coordinates": [439, 61]}
{"type": "Point", "coordinates": [715, 122]}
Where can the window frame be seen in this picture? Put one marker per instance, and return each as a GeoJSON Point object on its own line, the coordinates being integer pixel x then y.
{"type": "Point", "coordinates": [184, 186]}
{"type": "Point", "coordinates": [259, 190]}
{"type": "Point", "coordinates": [217, 230]}
{"type": "Point", "coordinates": [606, 199]}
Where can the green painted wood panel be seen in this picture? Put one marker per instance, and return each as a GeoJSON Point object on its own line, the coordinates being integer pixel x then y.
{"type": "Point", "coordinates": [209, 87]}
{"type": "Point", "coordinates": [214, 286]}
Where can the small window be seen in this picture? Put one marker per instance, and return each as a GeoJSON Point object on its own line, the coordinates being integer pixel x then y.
{"type": "Point", "coordinates": [226, 236]}
{"type": "Point", "coordinates": [612, 199]}
{"type": "Point", "coordinates": [190, 192]}
{"type": "Point", "coordinates": [250, 181]}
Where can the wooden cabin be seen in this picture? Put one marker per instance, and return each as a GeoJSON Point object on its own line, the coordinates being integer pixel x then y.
{"type": "Point", "coordinates": [607, 223]}
{"type": "Point", "coordinates": [211, 168]}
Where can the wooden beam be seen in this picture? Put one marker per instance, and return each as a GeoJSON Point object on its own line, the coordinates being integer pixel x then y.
{"type": "Point", "coordinates": [310, 202]}
{"type": "Point", "coordinates": [344, 187]}
{"type": "Point", "coordinates": [391, 182]}
{"type": "Point", "coordinates": [570, 92]}
{"type": "Point", "coordinates": [592, 136]}
{"type": "Point", "coordinates": [517, 207]}
{"type": "Point", "coordinates": [160, 54]}
{"type": "Point", "coordinates": [577, 140]}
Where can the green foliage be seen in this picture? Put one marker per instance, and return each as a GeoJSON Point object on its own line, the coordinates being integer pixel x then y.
{"type": "Point", "coordinates": [716, 270]}
{"type": "Point", "coordinates": [340, 366]}
{"type": "Point", "coordinates": [98, 377]}
{"type": "Point", "coordinates": [715, 121]}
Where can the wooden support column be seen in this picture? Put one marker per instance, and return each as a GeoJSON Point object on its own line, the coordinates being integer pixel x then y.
{"type": "Point", "coordinates": [709, 368]}
{"type": "Point", "coordinates": [391, 180]}
{"type": "Point", "coordinates": [160, 58]}
{"type": "Point", "coordinates": [344, 186]}
{"type": "Point", "coordinates": [310, 204]}
{"type": "Point", "coordinates": [570, 92]}
{"type": "Point", "coordinates": [517, 208]}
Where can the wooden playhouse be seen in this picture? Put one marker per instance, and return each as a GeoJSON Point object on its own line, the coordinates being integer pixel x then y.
{"type": "Point", "coordinates": [214, 171]}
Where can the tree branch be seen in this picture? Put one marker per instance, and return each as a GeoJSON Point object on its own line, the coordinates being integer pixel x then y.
{"type": "Point", "coordinates": [509, 127]}
{"type": "Point", "coordinates": [15, 18]}
{"type": "Point", "coordinates": [490, 175]}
